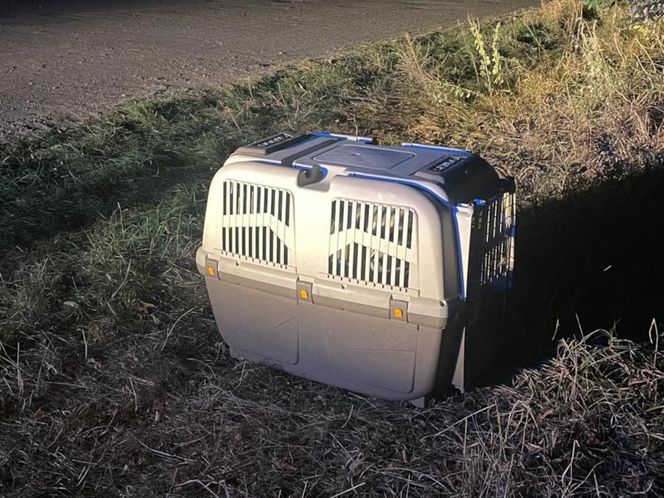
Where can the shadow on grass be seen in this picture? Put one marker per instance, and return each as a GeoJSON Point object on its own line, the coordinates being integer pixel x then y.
{"type": "Point", "coordinates": [41, 214]}
{"type": "Point", "coordinates": [63, 181]}
{"type": "Point", "coordinates": [592, 260]}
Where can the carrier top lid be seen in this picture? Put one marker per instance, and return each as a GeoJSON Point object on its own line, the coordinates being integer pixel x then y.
{"type": "Point", "coordinates": [363, 156]}
{"type": "Point", "coordinates": [462, 174]}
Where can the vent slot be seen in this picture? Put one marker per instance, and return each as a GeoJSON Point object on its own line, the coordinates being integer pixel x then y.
{"type": "Point", "coordinates": [492, 244]}
{"type": "Point", "coordinates": [256, 223]}
{"type": "Point", "coordinates": [371, 243]}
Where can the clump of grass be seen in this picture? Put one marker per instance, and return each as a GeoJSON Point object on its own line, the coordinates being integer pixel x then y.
{"type": "Point", "coordinates": [114, 380]}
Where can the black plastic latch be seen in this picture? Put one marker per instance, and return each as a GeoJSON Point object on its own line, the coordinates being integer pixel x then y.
{"type": "Point", "coordinates": [310, 176]}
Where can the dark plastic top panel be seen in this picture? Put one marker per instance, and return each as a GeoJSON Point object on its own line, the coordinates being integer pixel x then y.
{"type": "Point", "coordinates": [271, 144]}
{"type": "Point", "coordinates": [393, 160]}
{"type": "Point", "coordinates": [464, 176]}
{"type": "Point", "coordinates": [363, 156]}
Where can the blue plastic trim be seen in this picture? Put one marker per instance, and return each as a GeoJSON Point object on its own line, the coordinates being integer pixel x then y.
{"type": "Point", "coordinates": [462, 276]}
{"type": "Point", "coordinates": [325, 134]}
{"type": "Point", "coordinates": [444, 202]}
{"type": "Point", "coordinates": [462, 152]}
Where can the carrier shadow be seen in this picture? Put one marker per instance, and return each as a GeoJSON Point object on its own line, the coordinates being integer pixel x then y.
{"type": "Point", "coordinates": [592, 260]}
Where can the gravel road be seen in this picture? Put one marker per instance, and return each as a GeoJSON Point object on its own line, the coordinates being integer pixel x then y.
{"type": "Point", "coordinates": [64, 59]}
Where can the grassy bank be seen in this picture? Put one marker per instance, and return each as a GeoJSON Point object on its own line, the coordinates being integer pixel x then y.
{"type": "Point", "coordinates": [113, 379]}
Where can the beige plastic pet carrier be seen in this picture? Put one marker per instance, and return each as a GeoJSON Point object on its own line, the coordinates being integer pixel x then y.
{"type": "Point", "coordinates": [358, 265]}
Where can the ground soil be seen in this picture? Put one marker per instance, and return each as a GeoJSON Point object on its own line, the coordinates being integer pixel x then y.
{"type": "Point", "coordinates": [64, 59]}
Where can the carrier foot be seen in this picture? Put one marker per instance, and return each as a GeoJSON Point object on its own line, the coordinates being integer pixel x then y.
{"type": "Point", "coordinates": [419, 402]}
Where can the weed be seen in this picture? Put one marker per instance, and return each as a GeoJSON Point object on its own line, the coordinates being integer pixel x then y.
{"type": "Point", "coordinates": [488, 64]}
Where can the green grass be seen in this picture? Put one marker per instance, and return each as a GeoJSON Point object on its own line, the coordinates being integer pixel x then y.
{"type": "Point", "coordinates": [114, 381]}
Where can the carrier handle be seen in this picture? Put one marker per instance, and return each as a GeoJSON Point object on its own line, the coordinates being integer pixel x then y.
{"type": "Point", "coordinates": [310, 176]}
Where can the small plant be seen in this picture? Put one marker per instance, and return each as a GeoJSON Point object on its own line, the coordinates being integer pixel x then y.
{"type": "Point", "coordinates": [488, 61]}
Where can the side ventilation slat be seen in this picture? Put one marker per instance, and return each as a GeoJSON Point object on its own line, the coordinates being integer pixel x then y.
{"type": "Point", "coordinates": [257, 223]}
{"type": "Point", "coordinates": [371, 243]}
{"type": "Point", "coordinates": [377, 255]}
{"type": "Point", "coordinates": [350, 245]}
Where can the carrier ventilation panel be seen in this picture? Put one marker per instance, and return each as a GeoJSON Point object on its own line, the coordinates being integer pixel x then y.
{"type": "Point", "coordinates": [497, 260]}
{"type": "Point", "coordinates": [372, 244]}
{"type": "Point", "coordinates": [257, 223]}
{"type": "Point", "coordinates": [492, 243]}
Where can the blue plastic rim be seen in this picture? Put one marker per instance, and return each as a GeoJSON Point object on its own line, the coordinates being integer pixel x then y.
{"type": "Point", "coordinates": [449, 150]}
{"type": "Point", "coordinates": [326, 134]}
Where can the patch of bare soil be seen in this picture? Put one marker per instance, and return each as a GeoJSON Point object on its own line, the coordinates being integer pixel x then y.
{"type": "Point", "coordinates": [64, 59]}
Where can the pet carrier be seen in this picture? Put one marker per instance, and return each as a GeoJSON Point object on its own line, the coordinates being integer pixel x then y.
{"type": "Point", "coordinates": [358, 265]}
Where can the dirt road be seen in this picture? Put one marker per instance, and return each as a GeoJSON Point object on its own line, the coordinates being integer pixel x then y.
{"type": "Point", "coordinates": [67, 58]}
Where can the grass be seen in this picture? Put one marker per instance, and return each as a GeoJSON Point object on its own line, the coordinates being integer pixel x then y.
{"type": "Point", "coordinates": [115, 381]}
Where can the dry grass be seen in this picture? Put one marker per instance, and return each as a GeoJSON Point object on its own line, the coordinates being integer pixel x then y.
{"type": "Point", "coordinates": [587, 106]}
{"type": "Point", "coordinates": [588, 422]}
{"type": "Point", "coordinates": [113, 379]}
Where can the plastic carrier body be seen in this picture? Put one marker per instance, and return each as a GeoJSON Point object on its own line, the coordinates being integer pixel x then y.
{"type": "Point", "coordinates": [358, 265]}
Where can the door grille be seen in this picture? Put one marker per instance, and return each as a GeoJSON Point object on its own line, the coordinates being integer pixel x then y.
{"type": "Point", "coordinates": [257, 223]}
{"type": "Point", "coordinates": [372, 243]}
{"type": "Point", "coordinates": [491, 260]}
{"type": "Point", "coordinates": [494, 241]}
